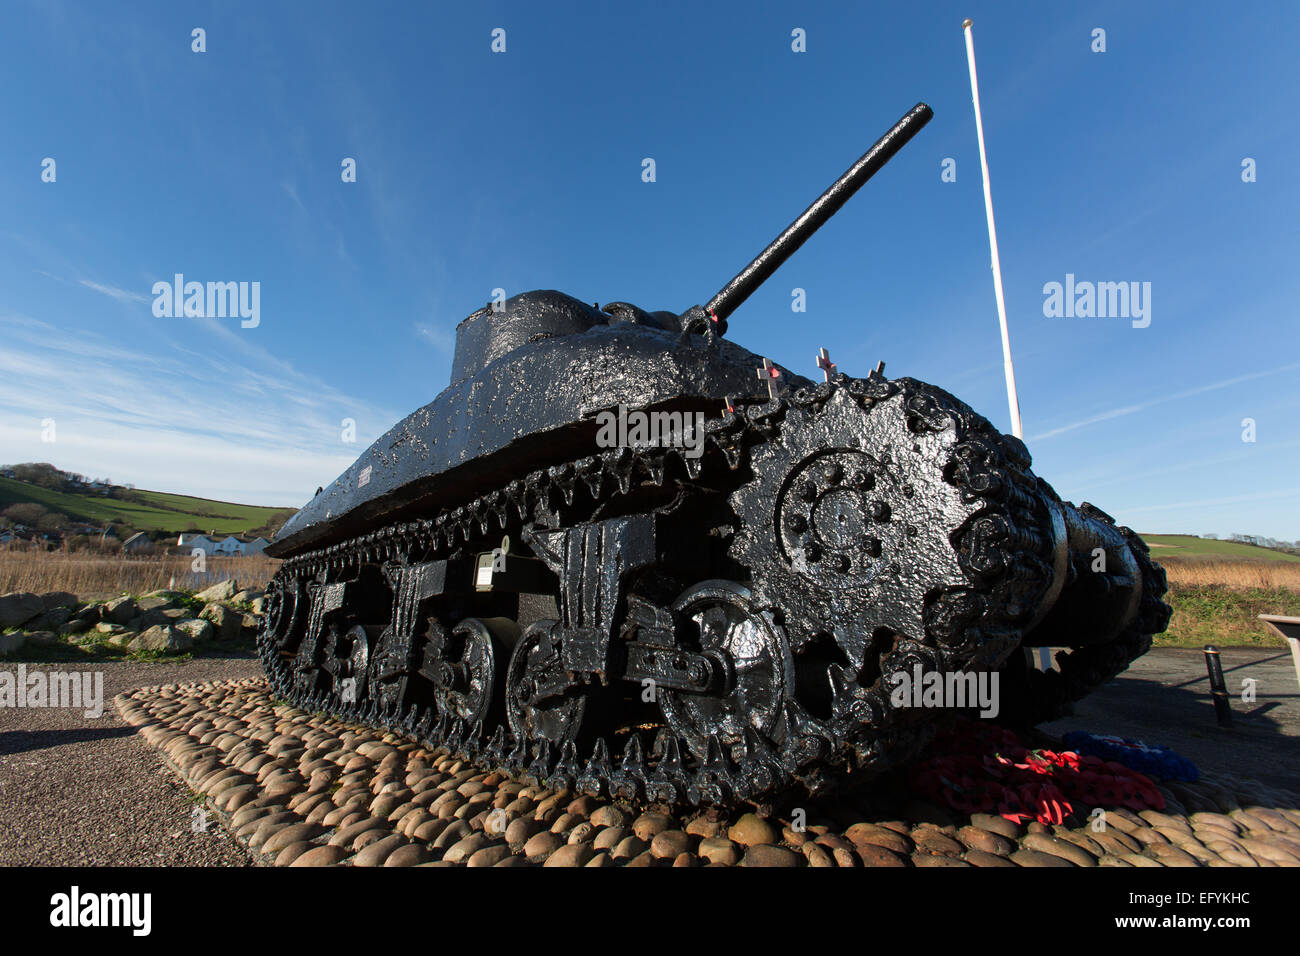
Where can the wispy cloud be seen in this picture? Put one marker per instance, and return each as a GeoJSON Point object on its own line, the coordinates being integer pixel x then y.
{"type": "Point", "coordinates": [113, 292]}
{"type": "Point", "coordinates": [1228, 500]}
{"type": "Point", "coordinates": [187, 420]}
{"type": "Point", "coordinates": [1172, 397]}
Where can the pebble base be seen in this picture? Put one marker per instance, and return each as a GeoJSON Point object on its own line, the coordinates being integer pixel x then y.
{"type": "Point", "coordinates": [299, 789]}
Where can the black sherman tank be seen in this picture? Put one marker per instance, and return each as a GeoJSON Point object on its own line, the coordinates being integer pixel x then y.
{"type": "Point", "coordinates": [623, 555]}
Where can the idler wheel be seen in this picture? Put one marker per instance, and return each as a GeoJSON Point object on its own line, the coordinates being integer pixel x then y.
{"type": "Point", "coordinates": [284, 604]}
{"type": "Point", "coordinates": [465, 678]}
{"type": "Point", "coordinates": [539, 701]}
{"type": "Point", "coordinates": [729, 625]}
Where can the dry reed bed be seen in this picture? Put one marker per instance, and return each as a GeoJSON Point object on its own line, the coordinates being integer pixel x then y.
{"type": "Point", "coordinates": [1233, 574]}
{"type": "Point", "coordinates": [98, 576]}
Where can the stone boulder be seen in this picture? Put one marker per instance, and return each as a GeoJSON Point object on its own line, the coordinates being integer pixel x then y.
{"type": "Point", "coordinates": [225, 622]}
{"type": "Point", "coordinates": [53, 599]}
{"type": "Point", "coordinates": [19, 607]}
{"type": "Point", "coordinates": [42, 638]}
{"type": "Point", "coordinates": [219, 592]}
{"type": "Point", "coordinates": [162, 615]}
{"type": "Point", "coordinates": [154, 602]}
{"type": "Point", "coordinates": [50, 620]}
{"type": "Point", "coordinates": [12, 642]}
{"type": "Point", "coordinates": [108, 627]}
{"type": "Point", "coordinates": [247, 596]}
{"type": "Point", "coordinates": [120, 610]}
{"type": "Point", "coordinates": [74, 626]}
{"type": "Point", "coordinates": [198, 630]}
{"type": "Point", "coordinates": [163, 638]}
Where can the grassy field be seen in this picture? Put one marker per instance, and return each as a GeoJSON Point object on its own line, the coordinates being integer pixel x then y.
{"type": "Point", "coordinates": [1189, 546]}
{"type": "Point", "coordinates": [148, 510]}
{"type": "Point", "coordinates": [98, 577]}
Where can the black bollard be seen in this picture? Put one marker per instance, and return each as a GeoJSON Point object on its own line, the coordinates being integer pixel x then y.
{"type": "Point", "coordinates": [1219, 690]}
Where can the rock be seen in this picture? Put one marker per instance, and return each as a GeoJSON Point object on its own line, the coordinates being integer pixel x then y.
{"type": "Point", "coordinates": [705, 826]}
{"type": "Point", "coordinates": [609, 837]}
{"type": "Point", "coordinates": [165, 639]}
{"type": "Point", "coordinates": [609, 816]}
{"type": "Point", "coordinates": [872, 854]}
{"type": "Point", "coordinates": [50, 620]}
{"type": "Point", "coordinates": [719, 850]}
{"type": "Point", "coordinates": [12, 642]}
{"type": "Point", "coordinates": [154, 602]}
{"type": "Point", "coordinates": [197, 630]}
{"type": "Point", "coordinates": [19, 607]}
{"type": "Point", "coordinates": [258, 605]}
{"type": "Point", "coordinates": [933, 841]}
{"type": "Point", "coordinates": [985, 842]}
{"type": "Point", "coordinates": [768, 855]}
{"type": "Point", "coordinates": [292, 833]}
{"type": "Point", "coordinates": [106, 627]}
{"type": "Point", "coordinates": [574, 854]}
{"type": "Point", "coordinates": [225, 622]}
{"type": "Point", "coordinates": [321, 856]}
{"type": "Point", "coordinates": [376, 853]}
{"type": "Point", "coordinates": [752, 830]}
{"type": "Point", "coordinates": [542, 845]}
{"type": "Point", "coordinates": [980, 858]}
{"type": "Point", "coordinates": [1045, 843]}
{"type": "Point", "coordinates": [649, 824]}
{"type": "Point", "coordinates": [670, 844]}
{"type": "Point", "coordinates": [74, 627]}
{"type": "Point", "coordinates": [169, 615]}
{"type": "Point", "coordinates": [1034, 858]}
{"type": "Point", "coordinates": [999, 825]}
{"type": "Point", "coordinates": [629, 848]}
{"type": "Point", "coordinates": [120, 610]}
{"type": "Point", "coordinates": [53, 599]}
{"type": "Point", "coordinates": [413, 854]}
{"type": "Point", "coordinates": [246, 596]}
{"type": "Point", "coordinates": [490, 855]}
{"type": "Point", "coordinates": [817, 855]}
{"type": "Point", "coordinates": [218, 592]}
{"type": "Point", "coordinates": [42, 637]}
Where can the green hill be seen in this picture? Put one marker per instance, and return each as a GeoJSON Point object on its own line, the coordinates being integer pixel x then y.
{"type": "Point", "coordinates": [151, 511]}
{"type": "Point", "coordinates": [1190, 546]}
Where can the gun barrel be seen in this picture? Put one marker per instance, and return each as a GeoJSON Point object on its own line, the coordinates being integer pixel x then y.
{"type": "Point", "coordinates": [730, 296]}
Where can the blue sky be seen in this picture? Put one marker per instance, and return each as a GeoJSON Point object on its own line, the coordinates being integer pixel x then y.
{"type": "Point", "coordinates": [522, 170]}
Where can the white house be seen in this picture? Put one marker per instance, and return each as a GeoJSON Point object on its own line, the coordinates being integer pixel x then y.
{"type": "Point", "coordinates": [191, 541]}
{"type": "Point", "coordinates": [230, 545]}
{"type": "Point", "coordinates": [256, 546]}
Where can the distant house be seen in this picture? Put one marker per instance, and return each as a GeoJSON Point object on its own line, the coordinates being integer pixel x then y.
{"type": "Point", "coordinates": [6, 537]}
{"type": "Point", "coordinates": [191, 541]}
{"type": "Point", "coordinates": [230, 545]}
{"type": "Point", "coordinates": [138, 543]}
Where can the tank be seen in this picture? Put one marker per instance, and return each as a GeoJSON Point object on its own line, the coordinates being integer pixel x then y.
{"type": "Point", "coordinates": [623, 555]}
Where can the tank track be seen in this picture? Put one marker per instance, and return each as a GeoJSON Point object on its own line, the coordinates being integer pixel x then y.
{"type": "Point", "coordinates": [1003, 550]}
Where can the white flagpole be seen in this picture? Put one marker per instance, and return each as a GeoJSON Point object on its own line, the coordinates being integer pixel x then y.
{"type": "Point", "coordinates": [1012, 400]}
